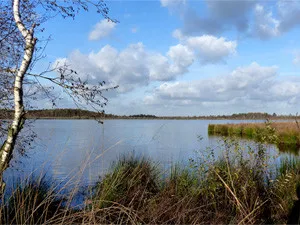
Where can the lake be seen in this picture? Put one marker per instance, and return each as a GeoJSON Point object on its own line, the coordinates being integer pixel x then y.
{"type": "Point", "coordinates": [85, 149]}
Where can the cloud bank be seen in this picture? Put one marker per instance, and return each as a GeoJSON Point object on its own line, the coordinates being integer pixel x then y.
{"type": "Point", "coordinates": [136, 66]}
{"type": "Point", "coordinates": [254, 18]}
{"type": "Point", "coordinates": [244, 84]}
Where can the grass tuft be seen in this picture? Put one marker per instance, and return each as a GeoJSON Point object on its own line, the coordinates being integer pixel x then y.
{"type": "Point", "coordinates": [234, 188]}
{"type": "Point", "coordinates": [33, 201]}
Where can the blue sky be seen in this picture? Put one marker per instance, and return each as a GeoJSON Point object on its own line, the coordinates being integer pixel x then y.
{"type": "Point", "coordinates": [181, 57]}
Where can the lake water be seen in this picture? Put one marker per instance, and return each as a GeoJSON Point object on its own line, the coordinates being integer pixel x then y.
{"type": "Point", "coordinates": [85, 149]}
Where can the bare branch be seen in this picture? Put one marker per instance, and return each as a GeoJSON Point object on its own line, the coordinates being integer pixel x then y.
{"type": "Point", "coordinates": [20, 49]}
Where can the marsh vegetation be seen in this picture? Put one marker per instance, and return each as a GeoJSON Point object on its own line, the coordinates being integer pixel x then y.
{"type": "Point", "coordinates": [243, 186]}
{"type": "Point", "coordinates": [285, 135]}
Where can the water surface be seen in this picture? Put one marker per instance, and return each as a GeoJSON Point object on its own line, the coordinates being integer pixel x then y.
{"type": "Point", "coordinates": [85, 149]}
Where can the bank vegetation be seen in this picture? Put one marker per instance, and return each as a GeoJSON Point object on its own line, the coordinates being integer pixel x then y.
{"type": "Point", "coordinates": [239, 187]}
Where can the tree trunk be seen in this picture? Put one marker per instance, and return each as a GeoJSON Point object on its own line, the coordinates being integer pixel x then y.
{"type": "Point", "coordinates": [18, 121]}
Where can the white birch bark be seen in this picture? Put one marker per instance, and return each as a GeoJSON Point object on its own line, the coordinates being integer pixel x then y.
{"type": "Point", "coordinates": [18, 121]}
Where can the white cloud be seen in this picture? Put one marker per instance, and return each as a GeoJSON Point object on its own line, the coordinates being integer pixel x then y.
{"type": "Point", "coordinates": [182, 56]}
{"type": "Point", "coordinates": [211, 49]}
{"type": "Point", "coordinates": [178, 34]}
{"type": "Point", "coordinates": [207, 48]}
{"type": "Point", "coordinates": [279, 19]}
{"type": "Point", "coordinates": [249, 83]}
{"type": "Point", "coordinates": [285, 90]}
{"type": "Point", "coordinates": [289, 14]}
{"type": "Point", "coordinates": [102, 29]}
{"type": "Point", "coordinates": [132, 67]}
{"type": "Point", "coordinates": [135, 66]}
{"type": "Point", "coordinates": [265, 26]}
{"type": "Point", "coordinates": [231, 12]}
{"type": "Point", "coordinates": [172, 3]}
{"type": "Point", "coordinates": [218, 16]}
{"type": "Point", "coordinates": [255, 18]}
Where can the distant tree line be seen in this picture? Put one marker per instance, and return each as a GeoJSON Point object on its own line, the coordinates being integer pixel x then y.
{"type": "Point", "coordinates": [54, 113]}
{"type": "Point", "coordinates": [253, 115]}
{"type": "Point", "coordinates": [68, 113]}
{"type": "Point", "coordinates": [85, 114]}
{"type": "Point", "coordinates": [143, 116]}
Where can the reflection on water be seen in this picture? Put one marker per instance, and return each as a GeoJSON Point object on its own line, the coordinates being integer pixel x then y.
{"type": "Point", "coordinates": [289, 148]}
{"type": "Point", "coordinates": [84, 149]}
{"type": "Point", "coordinates": [292, 148]}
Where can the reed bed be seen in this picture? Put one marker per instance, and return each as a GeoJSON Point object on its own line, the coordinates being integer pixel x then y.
{"type": "Point", "coordinates": [285, 134]}
{"type": "Point", "coordinates": [234, 188]}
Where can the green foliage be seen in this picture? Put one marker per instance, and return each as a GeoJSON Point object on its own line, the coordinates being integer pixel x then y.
{"type": "Point", "coordinates": [283, 188]}
{"type": "Point", "coordinates": [289, 138]}
{"type": "Point", "coordinates": [248, 132]}
{"type": "Point", "coordinates": [183, 181]}
{"type": "Point", "coordinates": [236, 187]}
{"type": "Point", "coordinates": [286, 139]}
{"type": "Point", "coordinates": [131, 180]}
{"type": "Point", "coordinates": [266, 134]}
{"type": "Point", "coordinates": [238, 131]}
{"type": "Point", "coordinates": [211, 128]}
{"type": "Point", "coordinates": [221, 129]}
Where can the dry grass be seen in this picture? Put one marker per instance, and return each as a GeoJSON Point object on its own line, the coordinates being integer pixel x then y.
{"type": "Point", "coordinates": [285, 134]}
{"type": "Point", "coordinates": [227, 190]}
{"type": "Point", "coordinates": [279, 126]}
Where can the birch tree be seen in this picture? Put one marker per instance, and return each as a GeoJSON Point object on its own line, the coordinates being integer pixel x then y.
{"type": "Point", "coordinates": [19, 24]}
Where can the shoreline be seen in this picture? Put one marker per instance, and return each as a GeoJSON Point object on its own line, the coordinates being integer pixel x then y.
{"type": "Point", "coordinates": [91, 115]}
{"type": "Point", "coordinates": [159, 118]}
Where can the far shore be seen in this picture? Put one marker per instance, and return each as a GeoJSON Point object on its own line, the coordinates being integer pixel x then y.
{"type": "Point", "coordinates": [157, 118]}
{"type": "Point", "coordinates": [85, 114]}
